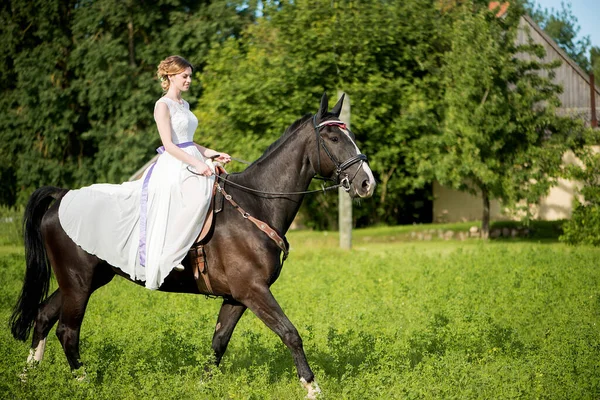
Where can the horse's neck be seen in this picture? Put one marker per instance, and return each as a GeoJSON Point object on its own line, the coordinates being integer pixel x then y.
{"type": "Point", "coordinates": [285, 169]}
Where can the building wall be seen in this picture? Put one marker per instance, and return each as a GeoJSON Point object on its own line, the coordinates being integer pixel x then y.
{"type": "Point", "coordinates": [450, 205]}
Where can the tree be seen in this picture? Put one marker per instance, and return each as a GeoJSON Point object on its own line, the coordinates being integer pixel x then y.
{"type": "Point", "coordinates": [501, 138]}
{"type": "Point", "coordinates": [595, 60]}
{"type": "Point", "coordinates": [384, 54]}
{"type": "Point", "coordinates": [78, 83]}
{"type": "Point", "coordinates": [562, 26]}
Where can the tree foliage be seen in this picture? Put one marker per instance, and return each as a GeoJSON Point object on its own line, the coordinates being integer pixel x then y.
{"type": "Point", "coordinates": [78, 86]}
{"type": "Point", "coordinates": [501, 137]}
{"type": "Point", "coordinates": [562, 26]}
{"type": "Point", "coordinates": [584, 225]}
{"type": "Point", "coordinates": [384, 54]}
{"type": "Point", "coordinates": [437, 88]}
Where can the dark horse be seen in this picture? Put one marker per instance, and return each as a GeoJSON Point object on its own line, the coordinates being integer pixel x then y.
{"type": "Point", "coordinates": [243, 262]}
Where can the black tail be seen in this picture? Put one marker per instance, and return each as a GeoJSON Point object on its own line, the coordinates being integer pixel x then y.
{"type": "Point", "coordinates": [37, 273]}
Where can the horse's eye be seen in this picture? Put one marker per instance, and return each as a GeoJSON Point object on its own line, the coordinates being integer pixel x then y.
{"type": "Point", "coordinates": [334, 139]}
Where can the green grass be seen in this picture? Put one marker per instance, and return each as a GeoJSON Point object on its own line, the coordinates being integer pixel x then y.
{"type": "Point", "coordinates": [390, 319]}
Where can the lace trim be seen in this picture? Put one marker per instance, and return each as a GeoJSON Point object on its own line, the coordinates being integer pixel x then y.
{"type": "Point", "coordinates": [181, 106]}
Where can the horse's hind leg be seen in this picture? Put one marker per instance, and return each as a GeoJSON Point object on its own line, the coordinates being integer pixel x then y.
{"type": "Point", "coordinates": [78, 274]}
{"type": "Point", "coordinates": [45, 320]}
{"type": "Point", "coordinates": [230, 314]}
{"type": "Point", "coordinates": [76, 293]}
{"type": "Point", "coordinates": [69, 326]}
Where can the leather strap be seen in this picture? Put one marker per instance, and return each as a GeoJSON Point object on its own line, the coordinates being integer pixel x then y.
{"type": "Point", "coordinates": [263, 226]}
{"type": "Point", "coordinates": [198, 260]}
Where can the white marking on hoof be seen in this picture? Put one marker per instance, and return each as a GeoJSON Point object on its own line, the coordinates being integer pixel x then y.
{"type": "Point", "coordinates": [218, 326]}
{"type": "Point", "coordinates": [34, 358]}
{"type": "Point", "coordinates": [312, 388]}
{"type": "Point", "coordinates": [80, 374]}
{"type": "Point", "coordinates": [39, 351]}
{"type": "Point", "coordinates": [31, 357]}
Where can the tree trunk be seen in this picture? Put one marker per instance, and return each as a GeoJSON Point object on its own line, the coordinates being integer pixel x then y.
{"type": "Point", "coordinates": [344, 200]}
{"type": "Point", "coordinates": [485, 220]}
{"type": "Point", "coordinates": [131, 44]}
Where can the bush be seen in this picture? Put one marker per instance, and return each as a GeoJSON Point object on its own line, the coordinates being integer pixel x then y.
{"type": "Point", "coordinates": [536, 229]}
{"type": "Point", "coordinates": [584, 226]}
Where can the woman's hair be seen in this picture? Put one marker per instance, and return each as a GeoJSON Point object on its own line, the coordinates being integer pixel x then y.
{"type": "Point", "coordinates": [171, 65]}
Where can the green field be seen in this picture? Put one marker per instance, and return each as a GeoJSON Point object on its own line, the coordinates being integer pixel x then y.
{"type": "Point", "coordinates": [391, 319]}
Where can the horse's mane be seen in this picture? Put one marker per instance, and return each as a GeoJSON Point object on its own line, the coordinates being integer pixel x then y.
{"type": "Point", "coordinates": [287, 133]}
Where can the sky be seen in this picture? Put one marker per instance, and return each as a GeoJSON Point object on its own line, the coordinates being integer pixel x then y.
{"type": "Point", "coordinates": [587, 13]}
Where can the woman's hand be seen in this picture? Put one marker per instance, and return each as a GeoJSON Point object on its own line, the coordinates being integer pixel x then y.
{"type": "Point", "coordinates": [215, 155]}
{"type": "Point", "coordinates": [202, 169]}
{"type": "Point", "coordinates": [223, 158]}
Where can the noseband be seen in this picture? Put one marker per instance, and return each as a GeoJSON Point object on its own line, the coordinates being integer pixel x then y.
{"type": "Point", "coordinates": [340, 167]}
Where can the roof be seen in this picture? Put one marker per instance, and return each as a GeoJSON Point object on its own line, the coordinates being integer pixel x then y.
{"type": "Point", "coordinates": [584, 75]}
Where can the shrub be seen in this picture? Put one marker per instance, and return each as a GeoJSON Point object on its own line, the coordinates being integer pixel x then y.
{"type": "Point", "coordinates": [584, 226]}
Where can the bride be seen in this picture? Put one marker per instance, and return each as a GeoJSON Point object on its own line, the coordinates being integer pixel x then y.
{"type": "Point", "coordinates": [146, 227]}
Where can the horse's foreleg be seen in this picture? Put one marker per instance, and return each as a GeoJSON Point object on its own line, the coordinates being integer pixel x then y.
{"type": "Point", "coordinates": [230, 314]}
{"type": "Point", "coordinates": [262, 303]}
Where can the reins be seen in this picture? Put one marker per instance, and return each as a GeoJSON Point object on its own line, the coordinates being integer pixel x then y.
{"type": "Point", "coordinates": [323, 189]}
{"type": "Point", "coordinates": [280, 240]}
{"type": "Point", "coordinates": [339, 167]}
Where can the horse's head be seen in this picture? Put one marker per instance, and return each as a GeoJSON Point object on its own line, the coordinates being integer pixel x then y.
{"type": "Point", "coordinates": [337, 156]}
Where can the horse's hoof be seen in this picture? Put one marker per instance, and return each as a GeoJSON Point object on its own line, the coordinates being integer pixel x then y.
{"type": "Point", "coordinates": [79, 374]}
{"type": "Point", "coordinates": [313, 389]}
{"type": "Point", "coordinates": [31, 364]}
{"type": "Point", "coordinates": [23, 375]}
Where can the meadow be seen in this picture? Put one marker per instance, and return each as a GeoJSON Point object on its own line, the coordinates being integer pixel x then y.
{"type": "Point", "coordinates": [390, 319]}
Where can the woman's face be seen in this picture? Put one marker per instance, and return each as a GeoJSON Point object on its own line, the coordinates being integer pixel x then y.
{"type": "Point", "coordinates": [182, 80]}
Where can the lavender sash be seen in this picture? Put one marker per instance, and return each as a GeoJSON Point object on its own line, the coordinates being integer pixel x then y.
{"type": "Point", "coordinates": [144, 204]}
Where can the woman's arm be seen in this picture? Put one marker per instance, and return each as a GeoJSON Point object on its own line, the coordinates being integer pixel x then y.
{"type": "Point", "coordinates": [162, 118]}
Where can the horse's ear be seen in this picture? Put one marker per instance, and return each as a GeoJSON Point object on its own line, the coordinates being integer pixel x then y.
{"type": "Point", "coordinates": [323, 107]}
{"type": "Point", "coordinates": [338, 107]}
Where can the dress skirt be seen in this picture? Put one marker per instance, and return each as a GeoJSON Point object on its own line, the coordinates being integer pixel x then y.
{"type": "Point", "coordinates": [107, 220]}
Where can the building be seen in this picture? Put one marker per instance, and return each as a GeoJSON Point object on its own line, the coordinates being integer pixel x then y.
{"type": "Point", "coordinates": [577, 99]}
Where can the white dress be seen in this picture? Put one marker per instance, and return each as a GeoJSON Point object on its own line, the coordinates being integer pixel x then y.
{"type": "Point", "coordinates": [145, 227]}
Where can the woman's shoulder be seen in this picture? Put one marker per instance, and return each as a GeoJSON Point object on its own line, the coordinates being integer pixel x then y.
{"type": "Point", "coordinates": [172, 103]}
{"type": "Point", "coordinates": [162, 102]}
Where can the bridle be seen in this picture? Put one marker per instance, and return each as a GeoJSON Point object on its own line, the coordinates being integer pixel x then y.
{"type": "Point", "coordinates": [340, 167]}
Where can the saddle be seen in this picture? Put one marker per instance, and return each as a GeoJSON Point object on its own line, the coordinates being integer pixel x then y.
{"type": "Point", "coordinates": [196, 254]}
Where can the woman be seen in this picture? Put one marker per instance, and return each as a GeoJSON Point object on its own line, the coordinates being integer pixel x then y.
{"type": "Point", "coordinates": [146, 227]}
